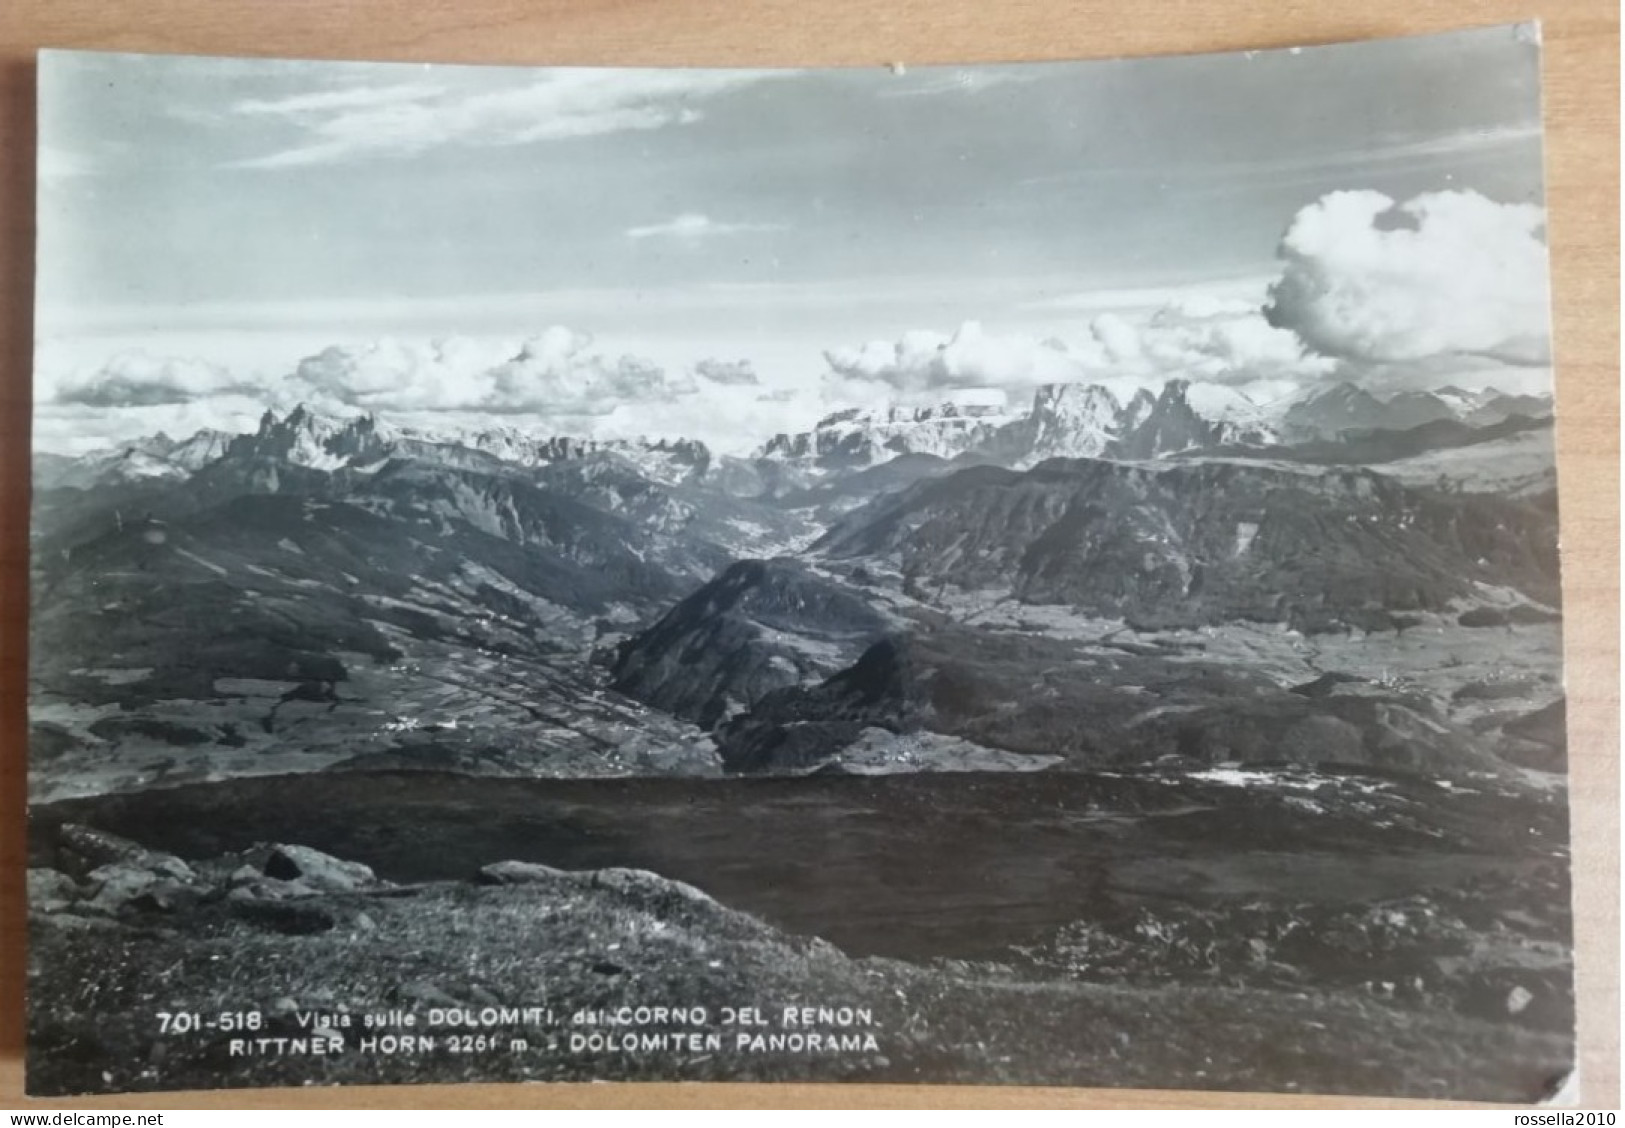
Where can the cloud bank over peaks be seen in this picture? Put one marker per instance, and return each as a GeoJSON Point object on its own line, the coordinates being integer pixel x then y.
{"type": "Point", "coordinates": [1368, 279]}
{"type": "Point", "coordinates": [137, 379]}
{"type": "Point", "coordinates": [556, 373]}
{"type": "Point", "coordinates": [557, 382]}
{"type": "Point", "coordinates": [1222, 342]}
{"type": "Point", "coordinates": [926, 362]}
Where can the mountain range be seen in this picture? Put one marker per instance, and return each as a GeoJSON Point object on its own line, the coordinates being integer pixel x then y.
{"type": "Point", "coordinates": [1091, 582]}
{"type": "Point", "coordinates": [1062, 421]}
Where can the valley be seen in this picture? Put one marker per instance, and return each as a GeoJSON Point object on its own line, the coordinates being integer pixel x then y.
{"type": "Point", "coordinates": [1180, 705]}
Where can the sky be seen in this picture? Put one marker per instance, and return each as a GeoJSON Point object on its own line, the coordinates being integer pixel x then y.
{"type": "Point", "coordinates": [735, 251]}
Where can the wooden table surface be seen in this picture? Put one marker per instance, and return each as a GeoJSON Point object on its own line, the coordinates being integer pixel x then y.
{"type": "Point", "coordinates": [1582, 121]}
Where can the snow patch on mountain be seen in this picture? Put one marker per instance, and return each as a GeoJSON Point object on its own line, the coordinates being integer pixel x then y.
{"type": "Point", "coordinates": [857, 437]}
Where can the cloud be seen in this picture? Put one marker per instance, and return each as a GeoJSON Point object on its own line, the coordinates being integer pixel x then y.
{"type": "Point", "coordinates": [1370, 280]}
{"type": "Point", "coordinates": [729, 372]}
{"type": "Point", "coordinates": [556, 383]}
{"type": "Point", "coordinates": [556, 374]}
{"type": "Point", "coordinates": [503, 109]}
{"type": "Point", "coordinates": [924, 361]}
{"type": "Point", "coordinates": [1215, 341]}
{"type": "Point", "coordinates": [692, 227]}
{"type": "Point", "coordinates": [310, 106]}
{"type": "Point", "coordinates": [135, 379]}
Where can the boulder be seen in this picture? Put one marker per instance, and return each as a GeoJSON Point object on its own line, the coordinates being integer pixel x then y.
{"type": "Point", "coordinates": [321, 872]}
{"type": "Point", "coordinates": [518, 873]}
{"type": "Point", "coordinates": [120, 887]}
{"type": "Point", "coordinates": [81, 849]}
{"type": "Point", "coordinates": [51, 890]}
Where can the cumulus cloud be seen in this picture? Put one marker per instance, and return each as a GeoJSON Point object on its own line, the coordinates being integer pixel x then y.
{"type": "Point", "coordinates": [1211, 341]}
{"type": "Point", "coordinates": [1367, 279]}
{"type": "Point", "coordinates": [924, 361]}
{"type": "Point", "coordinates": [1217, 342]}
{"type": "Point", "coordinates": [557, 373]}
{"type": "Point", "coordinates": [693, 227]}
{"type": "Point", "coordinates": [136, 379]}
{"type": "Point", "coordinates": [497, 108]}
{"type": "Point", "coordinates": [556, 383]}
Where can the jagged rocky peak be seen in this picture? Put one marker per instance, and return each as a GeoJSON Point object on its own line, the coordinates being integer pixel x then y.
{"type": "Point", "coordinates": [1489, 406]}
{"type": "Point", "coordinates": [1342, 395]}
{"type": "Point", "coordinates": [1462, 399]}
{"type": "Point", "coordinates": [1187, 416]}
{"type": "Point", "coordinates": [859, 437]}
{"type": "Point", "coordinates": [1221, 403]}
{"type": "Point", "coordinates": [1088, 402]}
{"type": "Point", "coordinates": [189, 452]}
{"type": "Point", "coordinates": [1328, 412]}
{"type": "Point", "coordinates": [304, 438]}
{"type": "Point", "coordinates": [896, 413]}
{"type": "Point", "coordinates": [202, 448]}
{"type": "Point", "coordinates": [669, 461]}
{"type": "Point", "coordinates": [1066, 421]}
{"type": "Point", "coordinates": [1137, 409]}
{"type": "Point", "coordinates": [153, 457]}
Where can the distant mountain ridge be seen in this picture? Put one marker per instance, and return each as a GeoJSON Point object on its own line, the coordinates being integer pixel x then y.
{"type": "Point", "coordinates": [157, 456]}
{"type": "Point", "coordinates": [1064, 421]}
{"type": "Point", "coordinates": [306, 439]}
{"type": "Point", "coordinates": [1333, 412]}
{"type": "Point", "coordinates": [855, 438]}
{"type": "Point", "coordinates": [1074, 420]}
{"type": "Point", "coordinates": [1081, 420]}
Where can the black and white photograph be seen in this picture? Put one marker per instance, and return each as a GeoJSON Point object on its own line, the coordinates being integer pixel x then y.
{"type": "Point", "coordinates": [1007, 574]}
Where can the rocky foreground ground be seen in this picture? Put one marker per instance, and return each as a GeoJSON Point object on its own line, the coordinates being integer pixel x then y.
{"type": "Point", "coordinates": [535, 965]}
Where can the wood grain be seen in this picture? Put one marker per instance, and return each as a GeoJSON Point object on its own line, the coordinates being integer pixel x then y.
{"type": "Point", "coordinates": [1582, 109]}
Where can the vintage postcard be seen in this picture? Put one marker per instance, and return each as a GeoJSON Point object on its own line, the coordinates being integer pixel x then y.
{"type": "Point", "coordinates": [1026, 574]}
